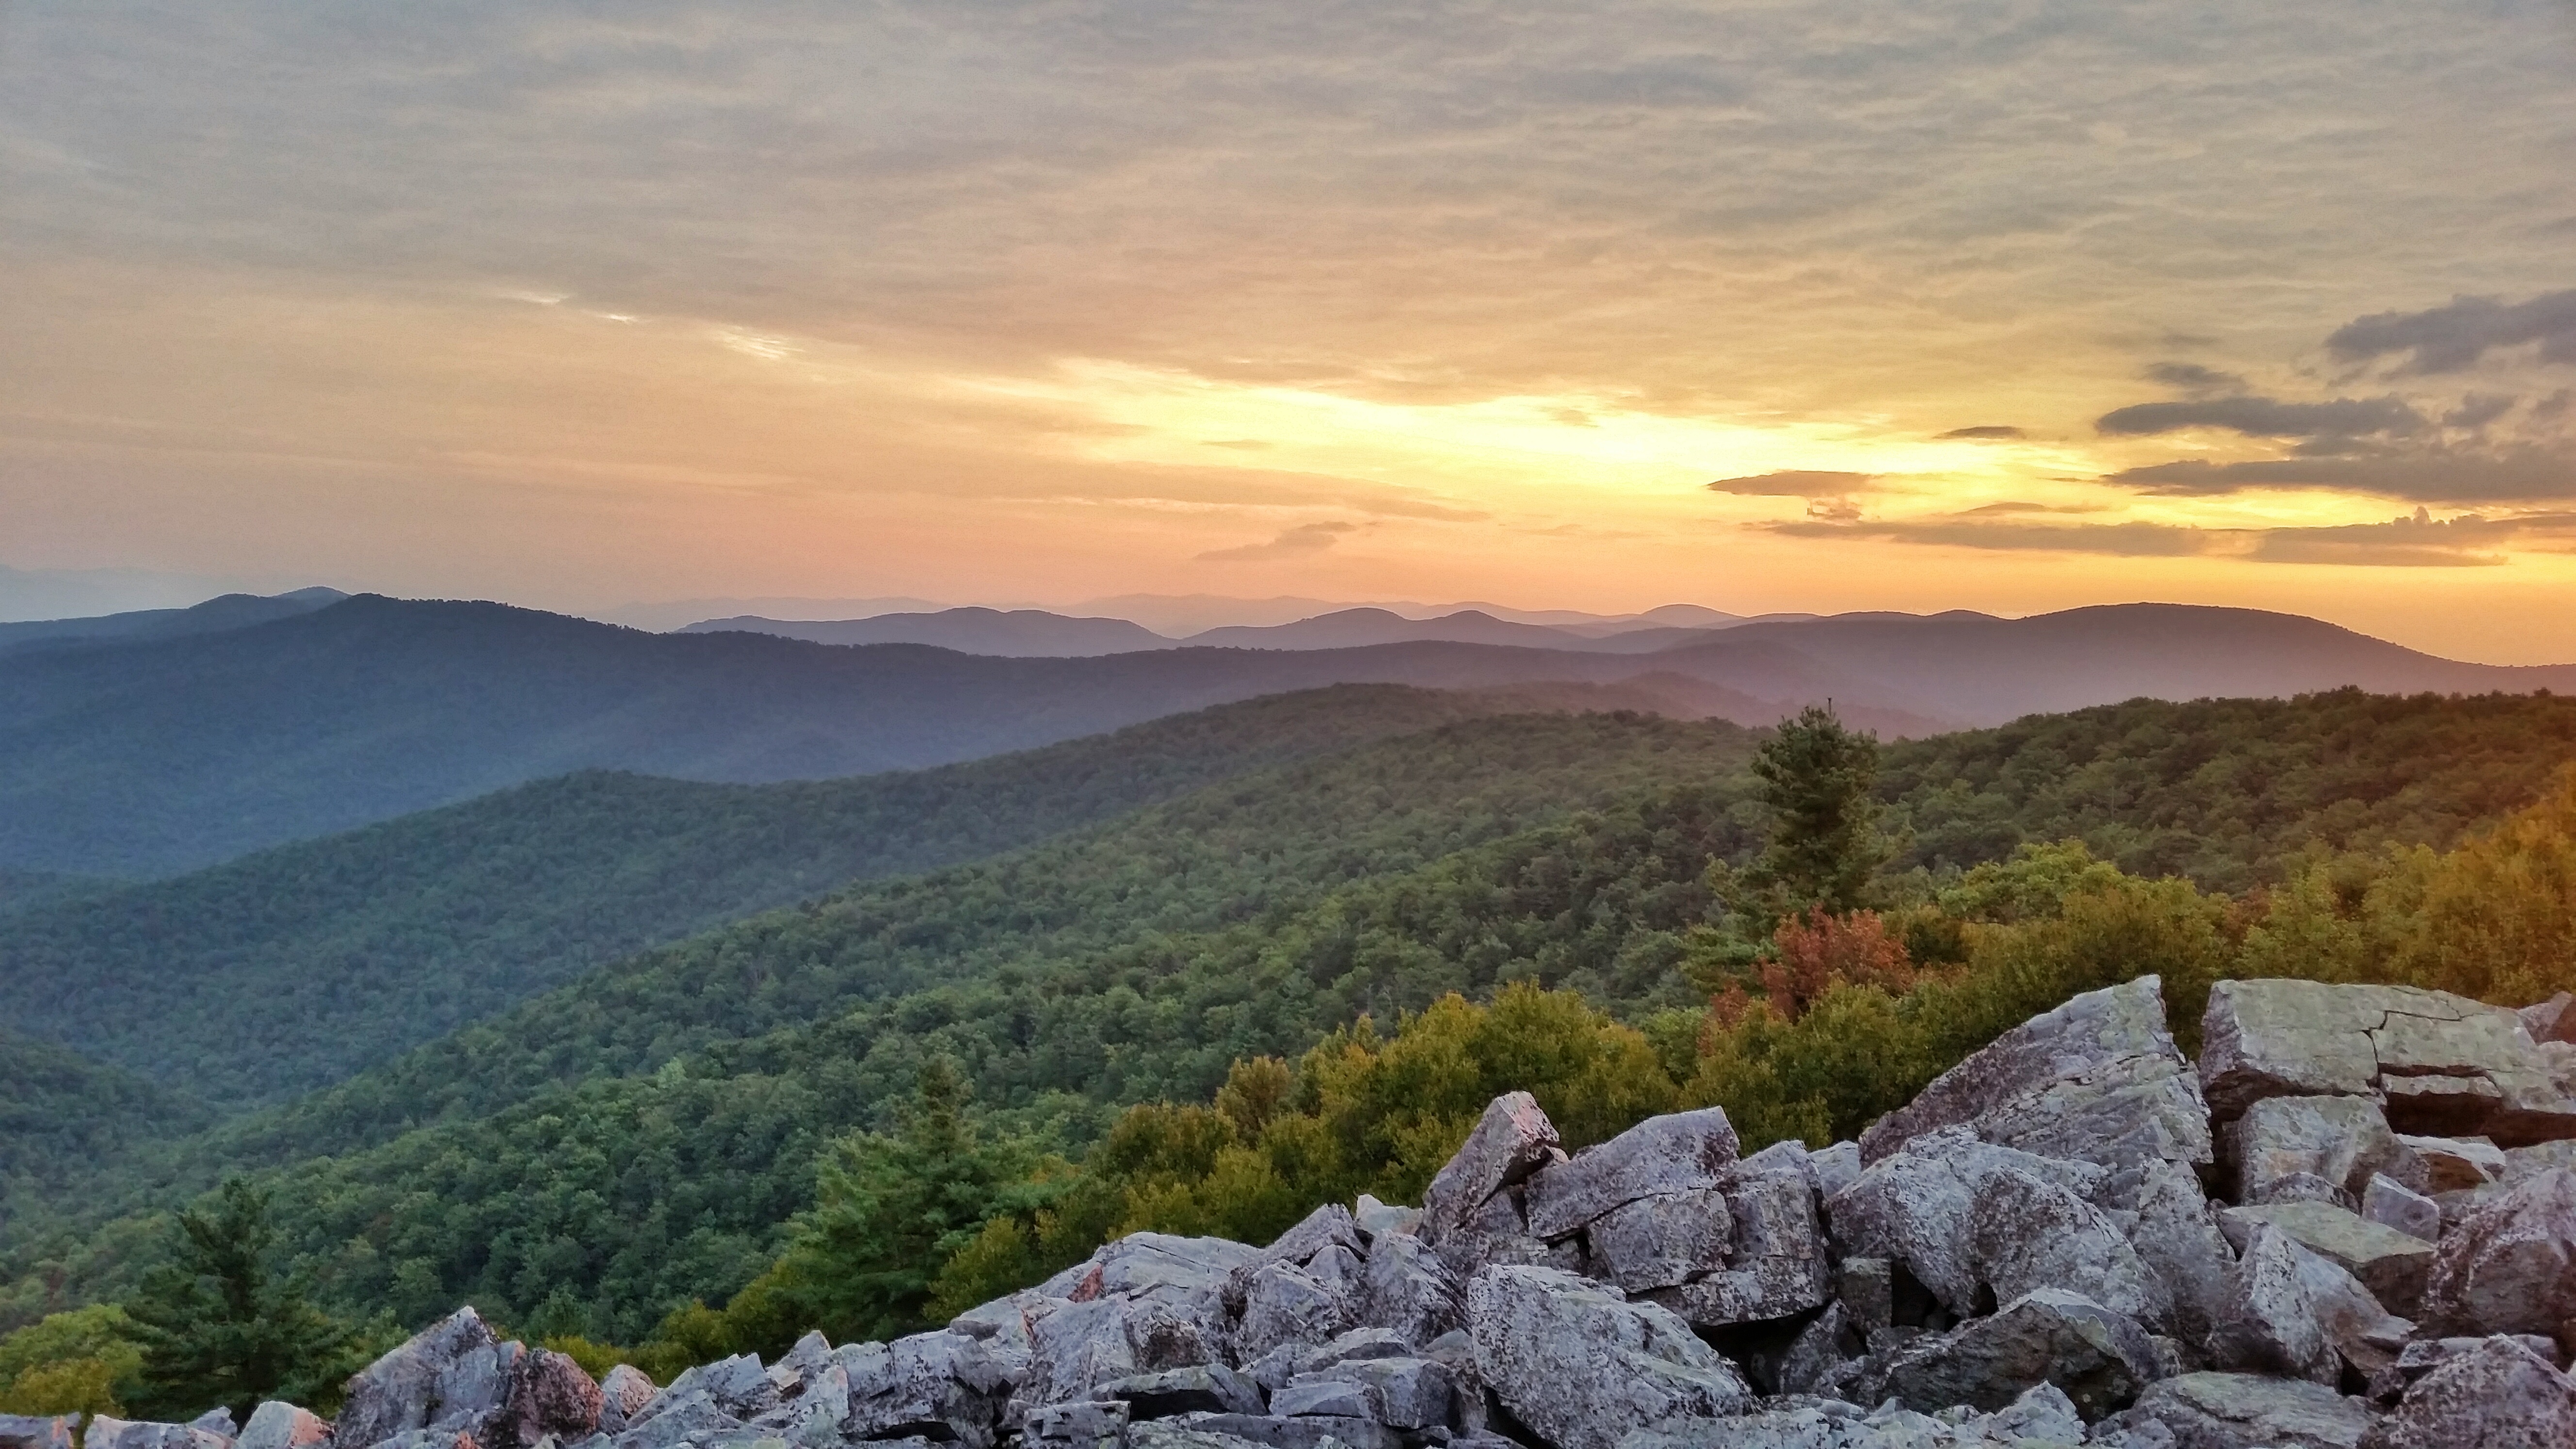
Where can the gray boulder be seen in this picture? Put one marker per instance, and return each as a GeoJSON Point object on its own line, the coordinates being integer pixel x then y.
{"type": "Point", "coordinates": [1582, 1366]}
{"type": "Point", "coordinates": [1405, 1287]}
{"type": "Point", "coordinates": [549, 1396]}
{"type": "Point", "coordinates": [2440, 1065]}
{"type": "Point", "coordinates": [2176, 1235]}
{"type": "Point", "coordinates": [1404, 1393]}
{"type": "Point", "coordinates": [1307, 1396]}
{"type": "Point", "coordinates": [2392, 1265]}
{"type": "Point", "coordinates": [1275, 1431]}
{"type": "Point", "coordinates": [2456, 1164]}
{"type": "Point", "coordinates": [735, 1385]}
{"type": "Point", "coordinates": [2338, 1142]}
{"type": "Point", "coordinates": [1835, 1167]}
{"type": "Point", "coordinates": [2099, 1079]}
{"type": "Point", "coordinates": [37, 1431]}
{"type": "Point", "coordinates": [448, 1376]}
{"type": "Point", "coordinates": [2241, 1411]}
{"type": "Point", "coordinates": [2042, 1417]}
{"type": "Point", "coordinates": [2271, 1321]}
{"type": "Point", "coordinates": [1376, 1220]}
{"type": "Point", "coordinates": [1084, 1424]}
{"type": "Point", "coordinates": [1199, 1389]}
{"type": "Point", "coordinates": [2392, 1204]}
{"type": "Point", "coordinates": [2498, 1395]}
{"type": "Point", "coordinates": [1661, 1241]}
{"type": "Point", "coordinates": [1285, 1303]}
{"type": "Point", "coordinates": [670, 1420]}
{"type": "Point", "coordinates": [106, 1432]}
{"type": "Point", "coordinates": [1777, 1264]}
{"type": "Point", "coordinates": [2423, 1355]}
{"type": "Point", "coordinates": [1511, 1140]}
{"type": "Point", "coordinates": [2099, 1358]}
{"type": "Point", "coordinates": [622, 1395]}
{"type": "Point", "coordinates": [1681, 1153]}
{"type": "Point", "coordinates": [945, 1385]}
{"type": "Point", "coordinates": [277, 1424]}
{"type": "Point", "coordinates": [2510, 1266]}
{"type": "Point", "coordinates": [1157, 1266]}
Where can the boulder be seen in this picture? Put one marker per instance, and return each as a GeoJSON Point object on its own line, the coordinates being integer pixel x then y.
{"type": "Point", "coordinates": [736, 1385]}
{"type": "Point", "coordinates": [1406, 1288]}
{"type": "Point", "coordinates": [2339, 1141]}
{"type": "Point", "coordinates": [105, 1432]}
{"type": "Point", "coordinates": [1512, 1140]}
{"type": "Point", "coordinates": [1288, 1304]}
{"type": "Point", "coordinates": [1661, 1241]}
{"type": "Point", "coordinates": [623, 1394]}
{"type": "Point", "coordinates": [1328, 1226]}
{"type": "Point", "coordinates": [2242, 1411]}
{"type": "Point", "coordinates": [549, 1396]}
{"type": "Point", "coordinates": [1582, 1366]}
{"type": "Point", "coordinates": [2498, 1395]}
{"type": "Point", "coordinates": [2423, 1355]}
{"type": "Point", "coordinates": [2177, 1237]}
{"type": "Point", "coordinates": [2271, 1320]}
{"type": "Point", "coordinates": [2099, 1358]}
{"type": "Point", "coordinates": [947, 1386]}
{"type": "Point", "coordinates": [449, 1375]}
{"type": "Point", "coordinates": [2440, 1065]}
{"type": "Point", "coordinates": [2391, 1264]}
{"type": "Point", "coordinates": [1083, 1424]}
{"type": "Point", "coordinates": [2099, 1079]}
{"type": "Point", "coordinates": [37, 1431]}
{"type": "Point", "coordinates": [2392, 1204]}
{"type": "Point", "coordinates": [1682, 1153]}
{"type": "Point", "coordinates": [670, 1420]}
{"type": "Point", "coordinates": [1156, 1266]}
{"type": "Point", "coordinates": [277, 1424]}
{"type": "Point", "coordinates": [1276, 1431]}
{"type": "Point", "coordinates": [1835, 1167]}
{"type": "Point", "coordinates": [2549, 1020]}
{"type": "Point", "coordinates": [1308, 1395]}
{"type": "Point", "coordinates": [1403, 1393]}
{"type": "Point", "coordinates": [1210, 1388]}
{"type": "Point", "coordinates": [2456, 1164]}
{"type": "Point", "coordinates": [2042, 1417]}
{"type": "Point", "coordinates": [2510, 1266]}
{"type": "Point", "coordinates": [1963, 1216]}
{"type": "Point", "coordinates": [1376, 1220]}
{"type": "Point", "coordinates": [1776, 1258]}
{"type": "Point", "coordinates": [1813, 1360]}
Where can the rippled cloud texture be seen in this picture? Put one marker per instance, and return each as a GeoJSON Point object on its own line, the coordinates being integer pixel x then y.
{"type": "Point", "coordinates": [1788, 305]}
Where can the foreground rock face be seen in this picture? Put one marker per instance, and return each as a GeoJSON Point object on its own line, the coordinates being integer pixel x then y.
{"type": "Point", "coordinates": [2027, 1254]}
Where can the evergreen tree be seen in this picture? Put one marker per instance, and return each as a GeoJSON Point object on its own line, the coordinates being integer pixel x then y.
{"type": "Point", "coordinates": [890, 1209]}
{"type": "Point", "coordinates": [1817, 776]}
{"type": "Point", "coordinates": [218, 1327]}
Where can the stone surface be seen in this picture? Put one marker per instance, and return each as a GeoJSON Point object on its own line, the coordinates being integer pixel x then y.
{"type": "Point", "coordinates": [1403, 1393]}
{"type": "Point", "coordinates": [2392, 1204]}
{"type": "Point", "coordinates": [1777, 1262]}
{"type": "Point", "coordinates": [2393, 1265]}
{"type": "Point", "coordinates": [2341, 1141]}
{"type": "Point", "coordinates": [1199, 1389]}
{"type": "Point", "coordinates": [2176, 1236]}
{"type": "Point", "coordinates": [2441, 1065]}
{"type": "Point", "coordinates": [2099, 1358]}
{"type": "Point", "coordinates": [1582, 1366]}
{"type": "Point", "coordinates": [2270, 1322]}
{"type": "Point", "coordinates": [1405, 1287]}
{"type": "Point", "coordinates": [1377, 1219]}
{"type": "Point", "coordinates": [2244, 1411]}
{"type": "Point", "coordinates": [2497, 1395]}
{"type": "Point", "coordinates": [1661, 1241]}
{"type": "Point", "coordinates": [1288, 1304]}
{"type": "Point", "coordinates": [949, 1387]}
{"type": "Point", "coordinates": [2454, 1164]}
{"type": "Point", "coordinates": [277, 1424]}
{"type": "Point", "coordinates": [450, 1374]}
{"type": "Point", "coordinates": [1511, 1140]}
{"type": "Point", "coordinates": [1683, 1152]}
{"type": "Point", "coordinates": [37, 1431]}
{"type": "Point", "coordinates": [2099, 1079]}
{"type": "Point", "coordinates": [625, 1391]}
{"type": "Point", "coordinates": [2510, 1266]}
{"type": "Point", "coordinates": [1277, 1431]}
{"type": "Point", "coordinates": [104, 1432]}
{"type": "Point", "coordinates": [1835, 1167]}
{"type": "Point", "coordinates": [549, 1395]}
{"type": "Point", "coordinates": [1082, 1424]}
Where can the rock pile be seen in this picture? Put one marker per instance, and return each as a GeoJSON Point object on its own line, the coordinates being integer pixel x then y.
{"type": "Point", "coordinates": [2030, 1253]}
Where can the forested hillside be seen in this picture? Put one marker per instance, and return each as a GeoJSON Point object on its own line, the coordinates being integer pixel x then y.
{"type": "Point", "coordinates": [336, 954]}
{"type": "Point", "coordinates": [642, 1137]}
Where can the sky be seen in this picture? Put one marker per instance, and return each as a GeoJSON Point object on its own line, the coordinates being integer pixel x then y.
{"type": "Point", "coordinates": [1763, 306]}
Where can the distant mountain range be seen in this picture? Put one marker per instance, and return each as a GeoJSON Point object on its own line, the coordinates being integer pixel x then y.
{"type": "Point", "coordinates": [227, 611]}
{"type": "Point", "coordinates": [141, 755]}
{"type": "Point", "coordinates": [1040, 634]}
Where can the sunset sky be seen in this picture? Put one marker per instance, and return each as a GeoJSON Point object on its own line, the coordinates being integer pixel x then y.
{"type": "Point", "coordinates": [1765, 306]}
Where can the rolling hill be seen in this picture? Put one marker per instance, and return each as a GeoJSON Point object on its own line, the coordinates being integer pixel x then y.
{"type": "Point", "coordinates": [215, 615]}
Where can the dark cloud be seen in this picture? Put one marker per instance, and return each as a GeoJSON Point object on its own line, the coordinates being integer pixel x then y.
{"type": "Point", "coordinates": [1804, 483]}
{"type": "Point", "coordinates": [2263, 417]}
{"type": "Point", "coordinates": [2513, 474]}
{"type": "Point", "coordinates": [2477, 410]}
{"type": "Point", "coordinates": [1987, 430]}
{"type": "Point", "coordinates": [2193, 378]}
{"type": "Point", "coordinates": [2469, 541]}
{"type": "Point", "coordinates": [2453, 337]}
{"type": "Point", "coordinates": [1303, 541]}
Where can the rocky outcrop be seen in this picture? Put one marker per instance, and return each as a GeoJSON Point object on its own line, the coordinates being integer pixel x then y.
{"type": "Point", "coordinates": [2027, 1254]}
{"type": "Point", "coordinates": [32, 1431]}
{"type": "Point", "coordinates": [2438, 1064]}
{"type": "Point", "coordinates": [2097, 1080]}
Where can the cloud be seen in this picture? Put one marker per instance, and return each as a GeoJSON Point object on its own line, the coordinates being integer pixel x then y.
{"type": "Point", "coordinates": [1802, 483]}
{"type": "Point", "coordinates": [2477, 410]}
{"type": "Point", "coordinates": [1986, 431]}
{"type": "Point", "coordinates": [2453, 337]}
{"type": "Point", "coordinates": [2193, 378]}
{"type": "Point", "coordinates": [2420, 541]}
{"type": "Point", "coordinates": [2520, 473]}
{"type": "Point", "coordinates": [2263, 417]}
{"type": "Point", "coordinates": [1303, 541]}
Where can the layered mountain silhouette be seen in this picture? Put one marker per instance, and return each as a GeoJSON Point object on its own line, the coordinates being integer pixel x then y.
{"type": "Point", "coordinates": [226, 611]}
{"type": "Point", "coordinates": [138, 758]}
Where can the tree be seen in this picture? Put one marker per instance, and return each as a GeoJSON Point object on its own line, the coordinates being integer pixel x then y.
{"type": "Point", "coordinates": [1816, 777]}
{"type": "Point", "coordinates": [218, 1326]}
{"type": "Point", "coordinates": [889, 1210]}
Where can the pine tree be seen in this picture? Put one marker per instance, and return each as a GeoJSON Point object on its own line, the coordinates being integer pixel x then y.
{"type": "Point", "coordinates": [218, 1327]}
{"type": "Point", "coordinates": [1816, 776]}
